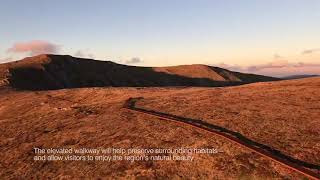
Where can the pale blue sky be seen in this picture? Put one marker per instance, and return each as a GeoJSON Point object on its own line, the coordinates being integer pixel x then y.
{"type": "Point", "coordinates": [167, 32]}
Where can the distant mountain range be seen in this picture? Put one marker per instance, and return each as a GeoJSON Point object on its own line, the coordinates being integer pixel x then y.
{"type": "Point", "coordinates": [299, 76]}
{"type": "Point", "coordinates": [45, 72]}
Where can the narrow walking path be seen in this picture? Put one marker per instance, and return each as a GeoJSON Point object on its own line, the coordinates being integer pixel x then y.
{"type": "Point", "coordinates": [297, 165]}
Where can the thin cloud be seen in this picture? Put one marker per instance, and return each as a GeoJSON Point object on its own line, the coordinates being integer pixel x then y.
{"type": "Point", "coordinates": [134, 60]}
{"type": "Point", "coordinates": [277, 56]}
{"type": "Point", "coordinates": [35, 47]}
{"type": "Point", "coordinates": [6, 60]}
{"type": "Point", "coordinates": [230, 67]}
{"type": "Point", "coordinates": [276, 68]}
{"type": "Point", "coordinates": [310, 51]}
{"type": "Point", "coordinates": [274, 64]}
{"type": "Point", "coordinates": [279, 65]}
{"type": "Point", "coordinates": [84, 54]}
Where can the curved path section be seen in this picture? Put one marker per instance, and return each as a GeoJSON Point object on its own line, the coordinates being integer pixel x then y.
{"type": "Point", "coordinates": [297, 165]}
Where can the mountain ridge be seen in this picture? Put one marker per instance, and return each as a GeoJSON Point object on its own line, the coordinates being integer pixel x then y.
{"type": "Point", "coordinates": [46, 72]}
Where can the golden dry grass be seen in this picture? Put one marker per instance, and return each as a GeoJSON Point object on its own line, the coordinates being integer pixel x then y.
{"type": "Point", "coordinates": [284, 115]}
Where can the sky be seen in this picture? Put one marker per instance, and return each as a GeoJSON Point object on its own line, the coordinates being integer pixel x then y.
{"type": "Point", "coordinates": [270, 37]}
